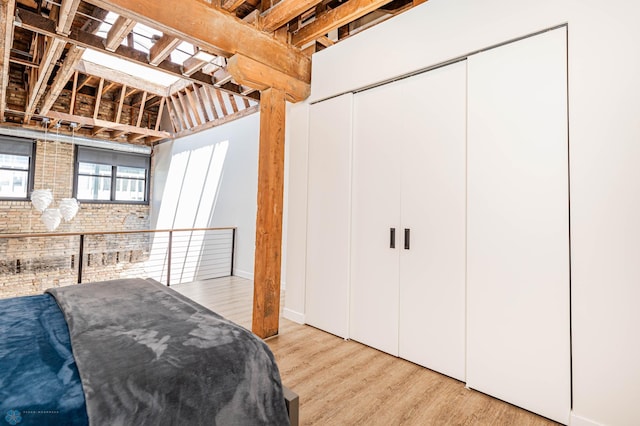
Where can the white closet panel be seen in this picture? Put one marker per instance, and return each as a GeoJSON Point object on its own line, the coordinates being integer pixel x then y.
{"type": "Point", "coordinates": [375, 210]}
{"type": "Point", "coordinates": [328, 215]}
{"type": "Point", "coordinates": [518, 343]}
{"type": "Point", "coordinates": [433, 207]}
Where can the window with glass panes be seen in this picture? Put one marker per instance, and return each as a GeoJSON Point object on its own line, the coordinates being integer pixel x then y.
{"type": "Point", "coordinates": [111, 176]}
{"type": "Point", "coordinates": [16, 168]}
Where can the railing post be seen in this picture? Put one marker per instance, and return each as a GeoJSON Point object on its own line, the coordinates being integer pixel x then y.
{"type": "Point", "coordinates": [233, 249]}
{"type": "Point", "coordinates": [80, 258]}
{"type": "Point", "coordinates": [169, 258]}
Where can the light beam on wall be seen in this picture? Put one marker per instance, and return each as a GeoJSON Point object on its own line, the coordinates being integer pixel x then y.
{"type": "Point", "coordinates": [189, 198]}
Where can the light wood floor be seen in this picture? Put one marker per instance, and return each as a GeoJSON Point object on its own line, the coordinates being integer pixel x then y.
{"type": "Point", "coordinates": [345, 383]}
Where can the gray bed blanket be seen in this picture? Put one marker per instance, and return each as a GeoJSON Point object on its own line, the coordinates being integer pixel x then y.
{"type": "Point", "coordinates": [149, 356]}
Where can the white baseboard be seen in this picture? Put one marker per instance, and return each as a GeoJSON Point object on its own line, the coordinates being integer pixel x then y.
{"type": "Point", "coordinates": [293, 316]}
{"type": "Point", "coordinates": [243, 274]}
{"type": "Point", "coordinates": [581, 421]}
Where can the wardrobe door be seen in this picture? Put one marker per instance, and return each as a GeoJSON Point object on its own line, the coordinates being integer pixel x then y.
{"type": "Point", "coordinates": [518, 346]}
{"type": "Point", "coordinates": [375, 221]}
{"type": "Point", "coordinates": [432, 262]}
{"type": "Point", "coordinates": [328, 215]}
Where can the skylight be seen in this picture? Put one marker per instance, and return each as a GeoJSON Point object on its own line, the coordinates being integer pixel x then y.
{"type": "Point", "coordinates": [139, 71]}
{"type": "Point", "coordinates": [183, 52]}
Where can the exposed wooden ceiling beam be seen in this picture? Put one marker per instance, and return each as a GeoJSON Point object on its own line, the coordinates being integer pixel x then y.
{"type": "Point", "coordinates": [68, 9]}
{"type": "Point", "coordinates": [93, 24]}
{"type": "Point", "coordinates": [120, 77]}
{"type": "Point", "coordinates": [213, 30]}
{"type": "Point", "coordinates": [7, 12]}
{"type": "Point", "coordinates": [334, 18]}
{"type": "Point", "coordinates": [41, 25]}
{"type": "Point", "coordinates": [325, 41]}
{"type": "Point", "coordinates": [51, 55]}
{"type": "Point", "coordinates": [232, 5]}
{"type": "Point", "coordinates": [192, 65]}
{"type": "Point", "coordinates": [62, 77]}
{"type": "Point", "coordinates": [88, 121]}
{"type": "Point", "coordinates": [118, 32]}
{"type": "Point", "coordinates": [23, 62]}
{"type": "Point", "coordinates": [162, 48]}
{"type": "Point", "coordinates": [284, 12]}
{"type": "Point", "coordinates": [254, 74]}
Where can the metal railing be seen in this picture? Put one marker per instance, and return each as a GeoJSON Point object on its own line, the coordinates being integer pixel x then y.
{"type": "Point", "coordinates": [30, 263]}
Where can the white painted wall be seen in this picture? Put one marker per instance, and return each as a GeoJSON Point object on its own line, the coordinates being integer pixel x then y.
{"type": "Point", "coordinates": [604, 104]}
{"type": "Point", "coordinates": [218, 173]}
{"type": "Point", "coordinates": [297, 146]}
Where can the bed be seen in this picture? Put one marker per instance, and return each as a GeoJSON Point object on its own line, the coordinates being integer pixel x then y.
{"type": "Point", "coordinates": [132, 352]}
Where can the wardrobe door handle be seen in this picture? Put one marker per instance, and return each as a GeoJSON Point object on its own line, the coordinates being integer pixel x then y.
{"type": "Point", "coordinates": [392, 238]}
{"type": "Point", "coordinates": [407, 238]}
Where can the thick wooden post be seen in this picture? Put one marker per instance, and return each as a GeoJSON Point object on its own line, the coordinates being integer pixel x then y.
{"type": "Point", "coordinates": [266, 292]}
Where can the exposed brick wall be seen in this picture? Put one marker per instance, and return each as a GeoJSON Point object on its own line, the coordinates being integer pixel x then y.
{"type": "Point", "coordinates": [30, 265]}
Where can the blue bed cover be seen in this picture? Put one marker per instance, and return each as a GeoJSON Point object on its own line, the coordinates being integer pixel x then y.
{"type": "Point", "coordinates": [39, 380]}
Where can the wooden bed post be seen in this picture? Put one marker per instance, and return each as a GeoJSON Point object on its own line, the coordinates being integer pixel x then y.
{"type": "Point", "coordinates": [266, 292]}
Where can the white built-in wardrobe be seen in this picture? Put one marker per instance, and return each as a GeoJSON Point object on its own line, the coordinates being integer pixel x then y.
{"type": "Point", "coordinates": [438, 221]}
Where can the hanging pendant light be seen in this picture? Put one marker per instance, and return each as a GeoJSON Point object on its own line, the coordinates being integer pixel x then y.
{"type": "Point", "coordinates": [42, 198]}
{"type": "Point", "coordinates": [68, 208]}
{"type": "Point", "coordinates": [51, 219]}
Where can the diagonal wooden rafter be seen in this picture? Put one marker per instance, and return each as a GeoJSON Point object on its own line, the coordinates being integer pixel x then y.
{"type": "Point", "coordinates": [68, 9]}
{"type": "Point", "coordinates": [162, 48]}
{"type": "Point", "coordinates": [141, 110]}
{"type": "Point", "coordinates": [160, 111]}
{"type": "Point", "coordinates": [118, 32]}
{"type": "Point", "coordinates": [52, 53]}
{"type": "Point", "coordinates": [7, 12]}
{"type": "Point", "coordinates": [213, 30]}
{"type": "Point", "coordinates": [62, 77]}
{"type": "Point", "coordinates": [334, 18]}
{"type": "Point", "coordinates": [219, 121]}
{"type": "Point", "coordinates": [284, 12]}
{"type": "Point", "coordinates": [123, 92]}
{"type": "Point", "coordinates": [185, 108]}
{"type": "Point", "coordinates": [41, 25]}
{"type": "Point", "coordinates": [234, 104]}
{"type": "Point", "coordinates": [180, 118]}
{"type": "Point", "coordinates": [194, 107]}
{"type": "Point", "coordinates": [200, 100]}
{"type": "Point", "coordinates": [221, 102]}
{"type": "Point", "coordinates": [96, 109]}
{"type": "Point", "coordinates": [207, 94]}
{"type": "Point", "coordinates": [72, 104]}
{"type": "Point", "coordinates": [106, 125]}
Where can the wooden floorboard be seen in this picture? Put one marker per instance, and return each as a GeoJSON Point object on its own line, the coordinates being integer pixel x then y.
{"type": "Point", "coordinates": [342, 382]}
